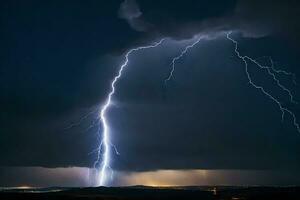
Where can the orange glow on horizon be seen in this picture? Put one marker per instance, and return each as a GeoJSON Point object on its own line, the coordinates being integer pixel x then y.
{"type": "Point", "coordinates": [24, 187]}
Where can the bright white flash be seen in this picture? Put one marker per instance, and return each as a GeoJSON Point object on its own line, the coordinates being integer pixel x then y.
{"type": "Point", "coordinates": [271, 71]}
{"type": "Point", "coordinates": [179, 57]}
{"type": "Point", "coordinates": [105, 146]}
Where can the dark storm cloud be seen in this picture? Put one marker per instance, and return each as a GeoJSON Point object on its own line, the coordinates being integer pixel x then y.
{"type": "Point", "coordinates": [182, 19]}
{"type": "Point", "coordinates": [54, 70]}
{"type": "Point", "coordinates": [49, 71]}
{"type": "Point", "coordinates": [130, 11]}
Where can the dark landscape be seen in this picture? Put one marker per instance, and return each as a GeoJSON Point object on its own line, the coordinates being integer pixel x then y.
{"type": "Point", "coordinates": [142, 192]}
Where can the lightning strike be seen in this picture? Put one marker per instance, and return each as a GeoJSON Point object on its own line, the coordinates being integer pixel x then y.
{"type": "Point", "coordinates": [271, 71]}
{"type": "Point", "coordinates": [179, 57]}
{"type": "Point", "coordinates": [105, 144]}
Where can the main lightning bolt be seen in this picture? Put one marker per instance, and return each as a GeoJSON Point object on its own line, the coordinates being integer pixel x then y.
{"type": "Point", "coordinates": [105, 144]}
{"type": "Point", "coordinates": [271, 71]}
{"type": "Point", "coordinates": [182, 53]}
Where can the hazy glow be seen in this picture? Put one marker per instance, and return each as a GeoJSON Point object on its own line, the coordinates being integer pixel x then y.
{"type": "Point", "coordinates": [163, 178]}
{"type": "Point", "coordinates": [166, 178]}
{"type": "Point", "coordinates": [23, 187]}
{"type": "Point", "coordinates": [79, 177]}
{"type": "Point", "coordinates": [31, 177]}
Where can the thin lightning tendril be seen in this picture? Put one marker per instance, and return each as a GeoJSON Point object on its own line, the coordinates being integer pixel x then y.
{"type": "Point", "coordinates": [271, 71]}
{"type": "Point", "coordinates": [81, 119]}
{"type": "Point", "coordinates": [179, 57]}
{"type": "Point", "coordinates": [279, 71]}
{"type": "Point", "coordinates": [105, 143]}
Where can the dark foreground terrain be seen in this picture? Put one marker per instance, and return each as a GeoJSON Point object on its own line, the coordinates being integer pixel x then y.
{"type": "Point", "coordinates": [140, 192]}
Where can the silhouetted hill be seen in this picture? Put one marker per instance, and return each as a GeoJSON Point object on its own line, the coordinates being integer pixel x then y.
{"type": "Point", "coordinates": [147, 193]}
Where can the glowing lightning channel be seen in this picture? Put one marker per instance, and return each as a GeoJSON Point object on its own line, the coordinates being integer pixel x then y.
{"type": "Point", "coordinates": [271, 72]}
{"type": "Point", "coordinates": [105, 142]}
{"type": "Point", "coordinates": [180, 56]}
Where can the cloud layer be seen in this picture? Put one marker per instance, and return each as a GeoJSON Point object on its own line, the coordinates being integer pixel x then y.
{"type": "Point", "coordinates": [181, 19]}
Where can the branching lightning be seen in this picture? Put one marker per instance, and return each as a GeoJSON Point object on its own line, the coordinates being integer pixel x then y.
{"type": "Point", "coordinates": [105, 144]}
{"type": "Point", "coordinates": [179, 57]}
{"type": "Point", "coordinates": [271, 71]}
{"type": "Point", "coordinates": [278, 71]}
{"type": "Point", "coordinates": [105, 147]}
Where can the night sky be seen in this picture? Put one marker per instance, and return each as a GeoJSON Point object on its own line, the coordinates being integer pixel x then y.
{"type": "Point", "coordinates": [57, 62]}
